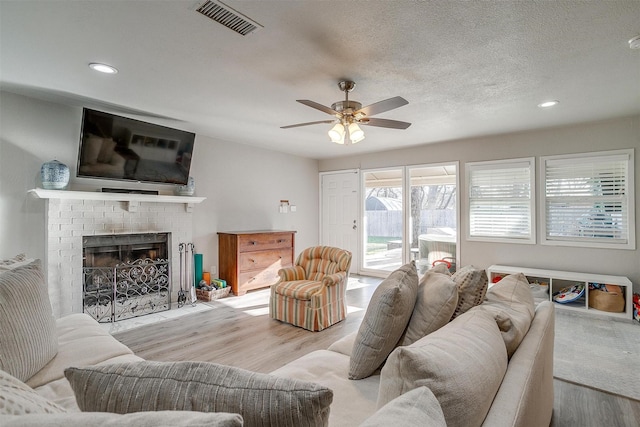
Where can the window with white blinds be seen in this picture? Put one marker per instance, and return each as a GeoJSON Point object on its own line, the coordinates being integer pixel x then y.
{"type": "Point", "coordinates": [501, 204]}
{"type": "Point", "coordinates": [588, 200]}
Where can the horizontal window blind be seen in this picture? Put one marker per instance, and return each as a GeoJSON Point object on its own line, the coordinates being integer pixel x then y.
{"type": "Point", "coordinates": [500, 200]}
{"type": "Point", "coordinates": [586, 199]}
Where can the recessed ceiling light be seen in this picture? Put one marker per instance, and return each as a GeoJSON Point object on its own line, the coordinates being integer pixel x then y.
{"type": "Point", "coordinates": [634, 43]}
{"type": "Point", "coordinates": [548, 104]}
{"type": "Point", "coordinates": [103, 68]}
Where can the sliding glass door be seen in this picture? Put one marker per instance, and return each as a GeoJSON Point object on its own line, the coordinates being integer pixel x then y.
{"type": "Point", "coordinates": [383, 228]}
{"type": "Point", "coordinates": [433, 234]}
{"type": "Point", "coordinates": [409, 213]}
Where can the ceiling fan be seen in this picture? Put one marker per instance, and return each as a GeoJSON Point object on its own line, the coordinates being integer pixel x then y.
{"type": "Point", "coordinates": [349, 114]}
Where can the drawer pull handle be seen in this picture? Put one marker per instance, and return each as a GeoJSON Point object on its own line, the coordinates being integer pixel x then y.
{"type": "Point", "coordinates": [252, 242]}
{"type": "Point", "coordinates": [252, 260]}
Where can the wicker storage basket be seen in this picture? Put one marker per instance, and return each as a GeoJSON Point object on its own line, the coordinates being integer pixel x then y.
{"type": "Point", "coordinates": [211, 295]}
{"type": "Point", "coordinates": [612, 302]}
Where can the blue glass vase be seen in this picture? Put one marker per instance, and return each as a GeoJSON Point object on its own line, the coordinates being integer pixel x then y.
{"type": "Point", "coordinates": [54, 175]}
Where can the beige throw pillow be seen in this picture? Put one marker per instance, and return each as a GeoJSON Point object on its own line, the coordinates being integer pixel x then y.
{"type": "Point", "coordinates": [440, 268]}
{"type": "Point", "coordinates": [136, 419]}
{"type": "Point", "coordinates": [462, 363]}
{"type": "Point", "coordinates": [17, 398]}
{"type": "Point", "coordinates": [472, 286]}
{"type": "Point", "coordinates": [416, 408]}
{"type": "Point", "coordinates": [28, 338]}
{"type": "Point", "coordinates": [384, 322]}
{"type": "Point", "coordinates": [15, 262]}
{"type": "Point", "coordinates": [261, 399]}
{"type": "Point", "coordinates": [512, 303]}
{"type": "Point", "coordinates": [436, 301]}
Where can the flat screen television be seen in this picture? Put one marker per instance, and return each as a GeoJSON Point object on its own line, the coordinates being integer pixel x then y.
{"type": "Point", "coordinates": [119, 148]}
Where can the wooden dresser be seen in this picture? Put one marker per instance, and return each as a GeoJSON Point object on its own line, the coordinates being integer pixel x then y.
{"type": "Point", "coordinates": [251, 259]}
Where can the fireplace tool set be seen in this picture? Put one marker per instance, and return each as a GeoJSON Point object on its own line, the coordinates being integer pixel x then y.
{"type": "Point", "coordinates": [187, 290]}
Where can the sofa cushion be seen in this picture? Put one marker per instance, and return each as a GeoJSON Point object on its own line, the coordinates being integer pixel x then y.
{"type": "Point", "coordinates": [345, 344]}
{"type": "Point", "coordinates": [17, 398]}
{"type": "Point", "coordinates": [472, 286]}
{"type": "Point", "coordinates": [462, 363]}
{"type": "Point", "coordinates": [416, 408]}
{"type": "Point", "coordinates": [353, 401]}
{"type": "Point", "coordinates": [137, 419]}
{"type": "Point", "coordinates": [261, 399]}
{"type": "Point", "coordinates": [60, 392]}
{"type": "Point", "coordinates": [384, 321]}
{"type": "Point", "coordinates": [436, 301]}
{"type": "Point", "coordinates": [27, 327]}
{"type": "Point", "coordinates": [512, 303]}
{"type": "Point", "coordinates": [81, 342]}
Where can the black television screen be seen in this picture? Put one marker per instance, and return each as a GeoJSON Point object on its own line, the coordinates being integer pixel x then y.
{"type": "Point", "coordinates": [115, 147]}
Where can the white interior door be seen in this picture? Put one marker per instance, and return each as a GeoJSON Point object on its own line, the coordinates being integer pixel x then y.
{"type": "Point", "coordinates": [340, 205]}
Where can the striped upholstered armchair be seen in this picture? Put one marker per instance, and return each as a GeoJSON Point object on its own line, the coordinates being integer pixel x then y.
{"type": "Point", "coordinates": [312, 293]}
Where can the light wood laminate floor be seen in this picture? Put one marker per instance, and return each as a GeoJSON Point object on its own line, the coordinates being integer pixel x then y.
{"type": "Point", "coordinates": [239, 332]}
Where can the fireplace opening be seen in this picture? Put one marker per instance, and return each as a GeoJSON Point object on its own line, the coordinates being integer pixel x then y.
{"type": "Point", "coordinates": [126, 275]}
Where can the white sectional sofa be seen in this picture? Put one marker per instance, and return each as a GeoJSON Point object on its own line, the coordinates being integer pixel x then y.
{"type": "Point", "coordinates": [524, 398]}
{"type": "Point", "coordinates": [488, 366]}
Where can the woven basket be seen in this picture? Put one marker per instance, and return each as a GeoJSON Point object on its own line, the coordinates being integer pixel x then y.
{"type": "Point", "coordinates": [211, 295]}
{"type": "Point", "coordinates": [612, 302]}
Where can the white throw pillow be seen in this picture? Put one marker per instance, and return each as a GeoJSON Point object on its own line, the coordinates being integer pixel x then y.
{"type": "Point", "coordinates": [17, 398]}
{"type": "Point", "coordinates": [416, 408]}
{"type": "Point", "coordinates": [15, 262]}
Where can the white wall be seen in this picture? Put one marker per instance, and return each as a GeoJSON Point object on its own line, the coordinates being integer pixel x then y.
{"type": "Point", "coordinates": [243, 184]}
{"type": "Point", "coordinates": [597, 136]}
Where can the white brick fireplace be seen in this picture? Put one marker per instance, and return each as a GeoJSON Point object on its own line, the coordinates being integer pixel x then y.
{"type": "Point", "coordinates": [71, 215]}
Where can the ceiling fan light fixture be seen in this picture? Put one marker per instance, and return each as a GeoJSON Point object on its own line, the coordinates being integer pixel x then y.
{"type": "Point", "coordinates": [337, 134]}
{"type": "Point", "coordinates": [355, 133]}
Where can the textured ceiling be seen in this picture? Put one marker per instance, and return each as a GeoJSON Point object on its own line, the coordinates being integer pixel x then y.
{"type": "Point", "coordinates": [467, 68]}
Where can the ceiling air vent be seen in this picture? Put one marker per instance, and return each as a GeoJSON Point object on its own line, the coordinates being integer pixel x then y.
{"type": "Point", "coordinates": [228, 17]}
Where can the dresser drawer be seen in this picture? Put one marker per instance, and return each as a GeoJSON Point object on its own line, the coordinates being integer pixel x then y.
{"type": "Point", "coordinates": [276, 258]}
{"type": "Point", "coordinates": [257, 279]}
{"type": "Point", "coordinates": [259, 242]}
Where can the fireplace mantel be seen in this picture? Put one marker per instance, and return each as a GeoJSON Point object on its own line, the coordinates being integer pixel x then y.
{"type": "Point", "coordinates": [133, 200]}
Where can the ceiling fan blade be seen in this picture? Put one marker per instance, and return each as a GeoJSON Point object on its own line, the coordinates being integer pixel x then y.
{"type": "Point", "coordinates": [382, 106]}
{"type": "Point", "coordinates": [317, 106]}
{"type": "Point", "coordinates": [385, 123]}
{"type": "Point", "coordinates": [306, 124]}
